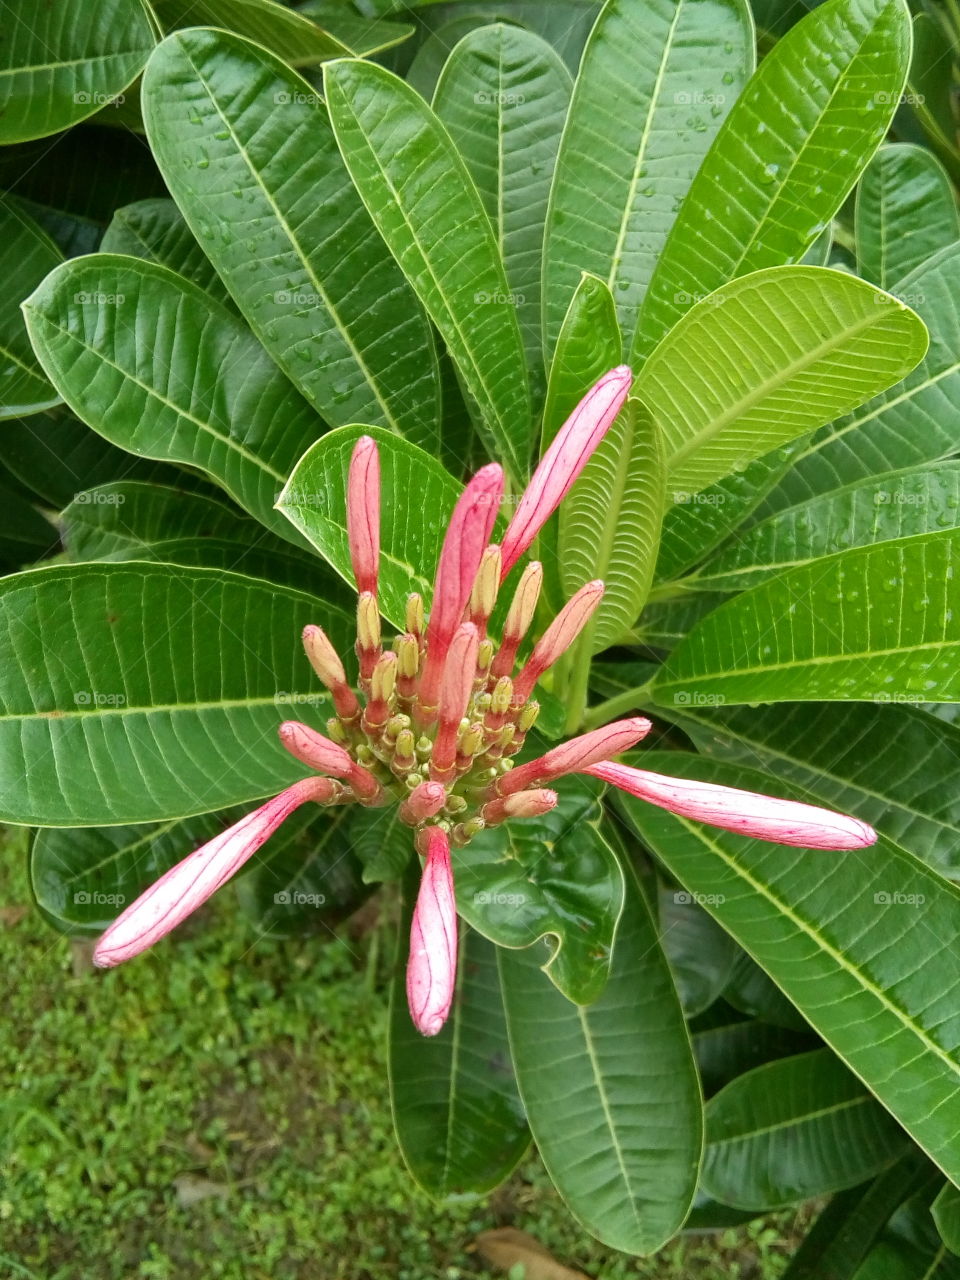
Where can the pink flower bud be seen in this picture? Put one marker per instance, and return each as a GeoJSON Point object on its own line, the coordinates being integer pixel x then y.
{"type": "Point", "coordinates": [525, 804]}
{"type": "Point", "coordinates": [319, 753]}
{"type": "Point", "coordinates": [432, 966]}
{"type": "Point", "coordinates": [522, 608]}
{"type": "Point", "coordinates": [559, 636]}
{"type": "Point", "coordinates": [467, 537]}
{"type": "Point", "coordinates": [563, 461]}
{"type": "Point", "coordinates": [192, 881]}
{"type": "Point", "coordinates": [424, 802]}
{"type": "Point", "coordinates": [326, 663]}
{"type": "Point", "coordinates": [576, 755]}
{"type": "Point", "coordinates": [746, 812]}
{"type": "Point", "coordinates": [455, 690]}
{"type": "Point", "coordinates": [483, 596]}
{"type": "Point", "coordinates": [363, 514]}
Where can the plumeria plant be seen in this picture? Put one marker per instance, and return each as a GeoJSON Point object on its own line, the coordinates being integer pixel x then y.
{"type": "Point", "coordinates": [503, 456]}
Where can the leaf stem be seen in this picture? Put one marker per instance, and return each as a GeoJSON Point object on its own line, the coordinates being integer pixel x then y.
{"type": "Point", "coordinates": [612, 708]}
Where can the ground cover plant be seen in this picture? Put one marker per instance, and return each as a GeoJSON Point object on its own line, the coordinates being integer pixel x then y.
{"type": "Point", "coordinates": [527, 432]}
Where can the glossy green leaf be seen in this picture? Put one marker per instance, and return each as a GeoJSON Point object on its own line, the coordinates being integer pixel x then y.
{"type": "Point", "coordinates": [161, 697]}
{"type": "Point", "coordinates": [155, 231]}
{"type": "Point", "coordinates": [930, 83]}
{"type": "Point", "coordinates": [247, 150]}
{"type": "Point", "coordinates": [554, 876]}
{"type": "Point", "coordinates": [665, 622]}
{"type": "Point", "coordinates": [898, 504]}
{"type": "Point", "coordinates": [768, 358]}
{"type": "Point", "coordinates": [25, 535]}
{"type": "Point", "coordinates": [459, 1119]}
{"type": "Point", "coordinates": [910, 1247]}
{"type": "Point", "coordinates": [290, 35]}
{"type": "Point", "coordinates": [382, 842]}
{"type": "Point", "coordinates": [361, 36]}
{"type": "Point", "coordinates": [701, 955]}
{"type": "Point", "coordinates": [610, 1090]}
{"type": "Point", "coordinates": [726, 1043]}
{"type": "Point", "coordinates": [610, 524]}
{"type": "Point", "coordinates": [26, 256]}
{"type": "Point", "coordinates": [762, 195]}
{"type": "Point", "coordinates": [62, 62]}
{"type": "Point", "coordinates": [428, 210]}
{"type": "Point", "coordinates": [871, 623]}
{"type": "Point", "coordinates": [193, 386]}
{"type": "Point", "coordinates": [906, 212]}
{"type": "Point", "coordinates": [656, 81]}
{"type": "Point", "coordinates": [946, 1215]}
{"type": "Point", "coordinates": [793, 1129]}
{"type": "Point", "coordinates": [503, 96]}
{"type": "Point", "coordinates": [912, 422]}
{"type": "Point", "coordinates": [417, 500]}
{"type": "Point", "coordinates": [894, 764]}
{"type": "Point", "coordinates": [865, 945]}
{"type": "Point", "coordinates": [753, 992]}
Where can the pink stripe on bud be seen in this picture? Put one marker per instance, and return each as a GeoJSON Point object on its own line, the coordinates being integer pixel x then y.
{"type": "Point", "coordinates": [746, 812]}
{"type": "Point", "coordinates": [432, 966]}
{"type": "Point", "coordinates": [318, 752]}
{"type": "Point", "coordinates": [559, 636]}
{"type": "Point", "coordinates": [192, 881]}
{"type": "Point", "coordinates": [363, 514]}
{"type": "Point", "coordinates": [566, 457]}
{"type": "Point", "coordinates": [455, 691]}
{"type": "Point", "coordinates": [525, 804]}
{"type": "Point", "coordinates": [576, 755]}
{"type": "Point", "coordinates": [325, 661]}
{"type": "Point", "coordinates": [424, 802]}
{"type": "Point", "coordinates": [522, 608]}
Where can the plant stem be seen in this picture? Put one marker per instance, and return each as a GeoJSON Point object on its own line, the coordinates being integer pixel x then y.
{"type": "Point", "coordinates": [629, 700]}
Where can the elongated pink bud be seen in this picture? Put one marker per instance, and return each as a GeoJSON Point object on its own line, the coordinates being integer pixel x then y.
{"type": "Point", "coordinates": [467, 537]}
{"type": "Point", "coordinates": [424, 801]}
{"type": "Point", "coordinates": [522, 608]}
{"type": "Point", "coordinates": [363, 514]}
{"type": "Point", "coordinates": [524, 804]}
{"type": "Point", "coordinates": [558, 637]}
{"type": "Point", "coordinates": [319, 753]}
{"type": "Point", "coordinates": [483, 596]}
{"type": "Point", "coordinates": [455, 690]}
{"type": "Point", "coordinates": [432, 966]}
{"type": "Point", "coordinates": [576, 755]}
{"type": "Point", "coordinates": [563, 461]}
{"type": "Point", "coordinates": [326, 663]}
{"type": "Point", "coordinates": [192, 881]}
{"type": "Point", "coordinates": [746, 812]}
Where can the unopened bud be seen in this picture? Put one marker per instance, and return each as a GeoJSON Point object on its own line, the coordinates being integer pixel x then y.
{"type": "Point", "coordinates": [368, 633]}
{"type": "Point", "coordinates": [483, 597]}
{"type": "Point", "coordinates": [525, 804]}
{"type": "Point", "coordinates": [528, 717]}
{"type": "Point", "coordinates": [363, 514]}
{"type": "Point", "coordinates": [424, 802]}
{"type": "Point", "coordinates": [408, 662]}
{"type": "Point", "coordinates": [519, 618]}
{"type": "Point", "coordinates": [404, 756]}
{"type": "Point", "coordinates": [455, 805]}
{"type": "Point", "coordinates": [336, 731]}
{"type": "Point", "coordinates": [559, 636]}
{"type": "Point", "coordinates": [326, 662]}
{"type": "Point", "coordinates": [415, 618]}
{"type": "Point", "coordinates": [464, 832]}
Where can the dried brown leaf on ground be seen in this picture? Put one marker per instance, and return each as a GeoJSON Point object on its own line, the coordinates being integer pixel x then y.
{"type": "Point", "coordinates": [507, 1247]}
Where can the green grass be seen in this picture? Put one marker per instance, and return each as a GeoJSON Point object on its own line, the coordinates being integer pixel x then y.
{"type": "Point", "coordinates": [253, 1069]}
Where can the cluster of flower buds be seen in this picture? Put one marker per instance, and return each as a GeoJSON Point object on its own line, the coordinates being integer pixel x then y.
{"type": "Point", "coordinates": [442, 710]}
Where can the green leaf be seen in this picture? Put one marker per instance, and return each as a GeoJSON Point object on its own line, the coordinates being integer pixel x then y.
{"type": "Point", "coordinates": [417, 500]}
{"type": "Point", "coordinates": [418, 190]}
{"type": "Point", "coordinates": [852, 940]}
{"type": "Point", "coordinates": [898, 504]}
{"type": "Point", "coordinates": [161, 696]}
{"type": "Point", "coordinates": [361, 36]}
{"type": "Point", "coordinates": [906, 212]}
{"type": "Point", "coordinates": [870, 623]}
{"type": "Point", "coordinates": [665, 622]}
{"type": "Point", "coordinates": [610, 524]}
{"type": "Point", "coordinates": [656, 81]}
{"type": "Point", "coordinates": [726, 1044]}
{"type": "Point", "coordinates": [769, 357]}
{"type": "Point", "coordinates": [193, 386]}
{"type": "Point", "coordinates": [752, 992]}
{"type": "Point", "coordinates": [247, 150]}
{"type": "Point", "coordinates": [930, 82]}
{"type": "Point", "coordinates": [610, 1090]}
{"type": "Point", "coordinates": [946, 1215]}
{"type": "Point", "coordinates": [291, 36]}
{"type": "Point", "coordinates": [912, 422]}
{"type": "Point", "coordinates": [554, 876]}
{"type": "Point", "coordinates": [701, 955]}
{"type": "Point", "coordinates": [794, 1129]}
{"type": "Point", "coordinates": [895, 765]}
{"type": "Point", "coordinates": [155, 231]}
{"type": "Point", "coordinates": [62, 63]}
{"type": "Point", "coordinates": [503, 96]}
{"type": "Point", "coordinates": [459, 1119]}
{"type": "Point", "coordinates": [25, 535]}
{"type": "Point", "coordinates": [763, 195]}
{"type": "Point", "coordinates": [26, 256]}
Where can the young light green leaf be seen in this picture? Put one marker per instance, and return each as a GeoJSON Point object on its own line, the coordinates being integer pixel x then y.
{"type": "Point", "coordinates": [503, 96]}
{"type": "Point", "coordinates": [873, 622]}
{"type": "Point", "coordinates": [656, 81]}
{"type": "Point", "coordinates": [610, 1090]}
{"type": "Point", "coordinates": [906, 212]}
{"type": "Point", "coordinates": [161, 697]}
{"type": "Point", "coordinates": [26, 256]}
{"type": "Point", "coordinates": [417, 500]}
{"type": "Point", "coordinates": [261, 184]}
{"type": "Point", "coordinates": [768, 358]}
{"type": "Point", "coordinates": [428, 210]}
{"type": "Point", "coordinates": [852, 939]}
{"type": "Point", "coordinates": [193, 386]}
{"type": "Point", "coordinates": [765, 191]}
